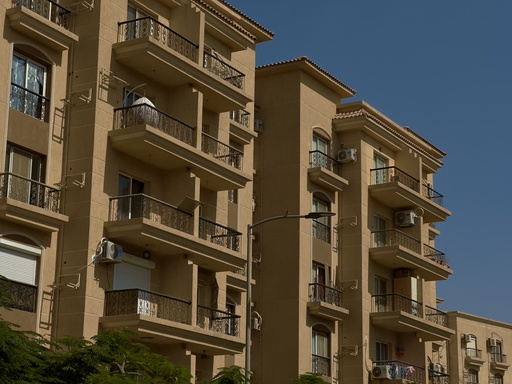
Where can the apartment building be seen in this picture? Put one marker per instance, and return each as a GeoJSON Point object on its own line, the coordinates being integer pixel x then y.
{"type": "Point", "coordinates": [352, 297]}
{"type": "Point", "coordinates": [127, 152]}
{"type": "Point", "coordinates": [477, 352]}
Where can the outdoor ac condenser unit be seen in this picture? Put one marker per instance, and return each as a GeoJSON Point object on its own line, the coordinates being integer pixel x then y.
{"type": "Point", "coordinates": [381, 372]}
{"type": "Point", "coordinates": [405, 218]}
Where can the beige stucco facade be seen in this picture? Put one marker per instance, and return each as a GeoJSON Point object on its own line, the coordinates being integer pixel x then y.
{"type": "Point", "coordinates": [168, 180]}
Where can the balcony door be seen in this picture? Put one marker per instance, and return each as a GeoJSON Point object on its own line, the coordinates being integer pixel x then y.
{"type": "Point", "coordinates": [27, 167]}
{"type": "Point", "coordinates": [380, 175]}
{"type": "Point", "coordinates": [130, 206]}
{"type": "Point", "coordinates": [135, 29]}
{"type": "Point", "coordinates": [320, 350]}
{"type": "Point", "coordinates": [379, 231]}
{"type": "Point", "coordinates": [319, 280]}
{"type": "Point", "coordinates": [381, 298]}
{"type": "Point", "coordinates": [320, 147]}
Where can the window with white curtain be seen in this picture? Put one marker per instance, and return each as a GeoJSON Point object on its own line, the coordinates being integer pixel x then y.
{"type": "Point", "coordinates": [28, 86]}
{"type": "Point", "coordinates": [320, 350]}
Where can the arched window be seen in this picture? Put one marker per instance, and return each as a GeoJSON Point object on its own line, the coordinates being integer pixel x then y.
{"type": "Point", "coordinates": [29, 79]}
{"type": "Point", "coordinates": [321, 350]}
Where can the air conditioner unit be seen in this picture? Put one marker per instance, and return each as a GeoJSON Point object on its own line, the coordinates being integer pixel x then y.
{"type": "Point", "coordinates": [381, 372]}
{"type": "Point", "coordinates": [492, 342]}
{"type": "Point", "coordinates": [111, 253]}
{"type": "Point", "coordinates": [258, 126]}
{"type": "Point", "coordinates": [438, 368]}
{"type": "Point", "coordinates": [405, 218]}
{"type": "Point", "coordinates": [468, 338]}
{"type": "Point", "coordinates": [347, 155]}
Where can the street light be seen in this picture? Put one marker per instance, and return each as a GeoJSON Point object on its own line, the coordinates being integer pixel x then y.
{"type": "Point", "coordinates": [248, 272]}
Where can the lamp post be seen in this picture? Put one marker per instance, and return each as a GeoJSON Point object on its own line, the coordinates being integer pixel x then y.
{"type": "Point", "coordinates": [248, 272]}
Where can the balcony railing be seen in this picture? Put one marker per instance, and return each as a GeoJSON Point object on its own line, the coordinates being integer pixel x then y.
{"type": "Point", "coordinates": [474, 353]}
{"type": "Point", "coordinates": [324, 293]}
{"type": "Point", "coordinates": [223, 70]}
{"type": "Point", "coordinates": [436, 377]}
{"type": "Point", "coordinates": [147, 26]}
{"type": "Point", "coordinates": [219, 234]}
{"type": "Point", "coordinates": [140, 205]}
{"type": "Point", "coordinates": [396, 302]}
{"type": "Point", "coordinates": [141, 302]}
{"type": "Point", "coordinates": [221, 151]}
{"type": "Point", "coordinates": [498, 358]}
{"type": "Point", "coordinates": [145, 114]}
{"type": "Point", "coordinates": [434, 254]}
{"type": "Point", "coordinates": [218, 321]}
{"type": "Point", "coordinates": [319, 159]}
{"type": "Point", "coordinates": [389, 174]}
{"type": "Point", "coordinates": [436, 316]}
{"type": "Point", "coordinates": [28, 102]}
{"type": "Point", "coordinates": [241, 117]}
{"type": "Point", "coordinates": [22, 296]}
{"type": "Point", "coordinates": [404, 371]}
{"type": "Point", "coordinates": [321, 231]}
{"type": "Point", "coordinates": [394, 237]}
{"type": "Point", "coordinates": [29, 191]}
{"type": "Point", "coordinates": [47, 9]}
{"type": "Point", "coordinates": [321, 365]}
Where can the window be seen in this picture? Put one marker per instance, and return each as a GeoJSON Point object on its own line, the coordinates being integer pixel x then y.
{"type": "Point", "coordinates": [19, 263]}
{"type": "Point", "coordinates": [318, 273]}
{"type": "Point", "coordinates": [322, 225]}
{"type": "Point", "coordinates": [26, 174]}
{"type": "Point", "coordinates": [381, 298]}
{"type": "Point", "coordinates": [497, 379]}
{"type": "Point", "coordinates": [380, 174]}
{"type": "Point", "coordinates": [230, 321]}
{"type": "Point", "coordinates": [320, 150]}
{"type": "Point", "coordinates": [496, 351]}
{"type": "Point", "coordinates": [381, 351]}
{"type": "Point", "coordinates": [379, 231]}
{"type": "Point", "coordinates": [28, 86]}
{"type": "Point", "coordinates": [471, 347]}
{"type": "Point", "coordinates": [321, 362]}
{"type": "Point", "coordinates": [131, 206]}
{"type": "Point", "coordinates": [472, 376]}
{"type": "Point", "coordinates": [138, 28]}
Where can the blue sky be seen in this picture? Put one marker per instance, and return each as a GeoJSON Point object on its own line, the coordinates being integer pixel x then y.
{"type": "Point", "coordinates": [444, 68]}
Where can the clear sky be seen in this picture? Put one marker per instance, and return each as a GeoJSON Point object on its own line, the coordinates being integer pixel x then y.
{"type": "Point", "coordinates": [443, 68]}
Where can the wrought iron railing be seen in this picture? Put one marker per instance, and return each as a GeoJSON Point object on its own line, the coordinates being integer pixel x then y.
{"type": "Point", "coordinates": [474, 353]}
{"type": "Point", "coordinates": [324, 293]}
{"type": "Point", "coordinates": [241, 117]}
{"type": "Point", "coordinates": [223, 70]}
{"type": "Point", "coordinates": [221, 151]}
{"type": "Point", "coordinates": [142, 302]}
{"type": "Point", "coordinates": [150, 27]}
{"type": "Point", "coordinates": [404, 370]}
{"type": "Point", "coordinates": [140, 205]}
{"type": "Point", "coordinates": [319, 159]}
{"type": "Point", "coordinates": [29, 191]}
{"type": "Point", "coordinates": [434, 254]}
{"type": "Point", "coordinates": [435, 377]}
{"type": "Point", "coordinates": [436, 316]}
{"type": "Point", "coordinates": [388, 174]}
{"type": "Point", "coordinates": [498, 357]}
{"type": "Point", "coordinates": [145, 114]}
{"type": "Point", "coordinates": [321, 365]}
{"type": "Point", "coordinates": [23, 296]}
{"type": "Point", "coordinates": [321, 231]}
{"type": "Point", "coordinates": [396, 302]}
{"type": "Point", "coordinates": [394, 237]}
{"type": "Point", "coordinates": [28, 102]}
{"type": "Point", "coordinates": [48, 9]}
{"type": "Point", "coordinates": [219, 234]}
{"type": "Point", "coordinates": [218, 321]}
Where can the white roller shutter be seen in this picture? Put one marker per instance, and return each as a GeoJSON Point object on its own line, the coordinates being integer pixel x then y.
{"type": "Point", "coordinates": [18, 266]}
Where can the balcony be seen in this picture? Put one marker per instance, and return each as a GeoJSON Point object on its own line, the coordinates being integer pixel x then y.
{"type": "Point", "coordinates": [167, 230]}
{"type": "Point", "coordinates": [167, 320]}
{"type": "Point", "coordinates": [44, 21]}
{"type": "Point", "coordinates": [325, 301]}
{"type": "Point", "coordinates": [156, 138]}
{"type": "Point", "coordinates": [436, 377]}
{"type": "Point", "coordinates": [499, 361]}
{"type": "Point", "coordinates": [402, 371]}
{"type": "Point", "coordinates": [396, 249]}
{"type": "Point", "coordinates": [326, 171]}
{"type": "Point", "coordinates": [29, 202]}
{"type": "Point", "coordinates": [23, 296]}
{"type": "Point", "coordinates": [398, 190]}
{"type": "Point", "coordinates": [404, 315]}
{"type": "Point", "coordinates": [152, 49]}
{"type": "Point", "coordinates": [474, 357]}
{"type": "Point", "coordinates": [239, 127]}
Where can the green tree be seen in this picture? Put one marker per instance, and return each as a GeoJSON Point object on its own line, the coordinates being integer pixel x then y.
{"type": "Point", "coordinates": [231, 375]}
{"type": "Point", "coordinates": [310, 378]}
